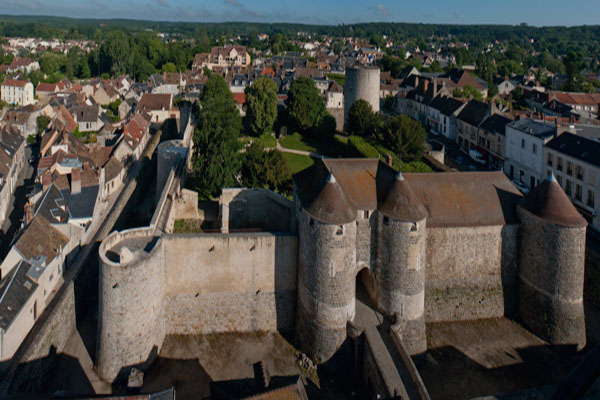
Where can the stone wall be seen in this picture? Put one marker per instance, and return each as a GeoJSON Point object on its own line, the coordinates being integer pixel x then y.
{"type": "Point", "coordinates": [230, 283]}
{"type": "Point", "coordinates": [366, 239]}
{"type": "Point", "coordinates": [551, 278]}
{"type": "Point", "coordinates": [471, 272]}
{"type": "Point", "coordinates": [361, 83]}
{"type": "Point", "coordinates": [592, 277]}
{"type": "Point", "coordinates": [256, 209]}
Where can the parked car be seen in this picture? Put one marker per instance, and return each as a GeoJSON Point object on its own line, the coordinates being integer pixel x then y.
{"type": "Point", "coordinates": [477, 157]}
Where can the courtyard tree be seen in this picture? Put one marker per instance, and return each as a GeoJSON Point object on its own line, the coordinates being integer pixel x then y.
{"type": "Point", "coordinates": [362, 121]}
{"type": "Point", "coordinates": [305, 106]}
{"type": "Point", "coordinates": [261, 103]}
{"type": "Point", "coordinates": [266, 169]}
{"type": "Point", "coordinates": [405, 136]}
{"type": "Point", "coordinates": [216, 160]}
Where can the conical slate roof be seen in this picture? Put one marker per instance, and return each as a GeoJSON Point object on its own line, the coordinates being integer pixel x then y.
{"type": "Point", "coordinates": [550, 202]}
{"type": "Point", "coordinates": [331, 205]}
{"type": "Point", "coordinates": [401, 203]}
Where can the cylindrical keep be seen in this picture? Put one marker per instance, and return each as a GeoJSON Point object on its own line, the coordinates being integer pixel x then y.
{"type": "Point", "coordinates": [361, 83]}
{"type": "Point", "coordinates": [326, 285]}
{"type": "Point", "coordinates": [551, 275]}
{"type": "Point", "coordinates": [130, 325]}
{"type": "Point", "coordinates": [400, 277]}
{"type": "Point", "coordinates": [169, 153]}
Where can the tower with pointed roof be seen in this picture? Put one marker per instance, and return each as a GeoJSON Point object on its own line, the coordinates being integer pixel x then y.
{"type": "Point", "coordinates": [326, 268]}
{"type": "Point", "coordinates": [400, 268]}
{"type": "Point", "coordinates": [551, 271]}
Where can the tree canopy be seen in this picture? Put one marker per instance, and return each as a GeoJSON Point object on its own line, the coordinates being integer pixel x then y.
{"type": "Point", "coordinates": [305, 106]}
{"type": "Point", "coordinates": [261, 106]}
{"type": "Point", "coordinates": [266, 169]}
{"type": "Point", "coordinates": [362, 120]}
{"type": "Point", "coordinates": [404, 136]}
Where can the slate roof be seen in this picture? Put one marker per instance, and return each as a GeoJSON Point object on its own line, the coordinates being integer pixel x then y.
{"type": "Point", "coordinates": [86, 113]}
{"type": "Point", "coordinates": [81, 205]}
{"type": "Point", "coordinates": [549, 201]}
{"type": "Point", "coordinates": [533, 128]}
{"type": "Point", "coordinates": [474, 112]}
{"type": "Point", "coordinates": [578, 147]}
{"type": "Point", "coordinates": [15, 289]}
{"type": "Point", "coordinates": [450, 199]}
{"type": "Point", "coordinates": [155, 101]}
{"type": "Point", "coordinates": [496, 124]}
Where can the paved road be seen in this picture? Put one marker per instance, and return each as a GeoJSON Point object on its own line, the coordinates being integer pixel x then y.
{"type": "Point", "coordinates": [13, 222]}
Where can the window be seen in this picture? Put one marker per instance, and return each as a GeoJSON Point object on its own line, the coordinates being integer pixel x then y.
{"type": "Point", "coordinates": [522, 143]}
{"type": "Point", "coordinates": [366, 214]}
{"type": "Point", "coordinates": [569, 187]}
{"type": "Point", "coordinates": [534, 148]}
{"type": "Point", "coordinates": [386, 221]}
{"type": "Point", "coordinates": [521, 176]}
{"type": "Point", "coordinates": [549, 159]}
{"type": "Point", "coordinates": [579, 172]}
{"type": "Point", "coordinates": [532, 182]}
{"type": "Point", "coordinates": [592, 178]}
{"type": "Point", "coordinates": [311, 222]}
{"type": "Point", "coordinates": [569, 168]}
{"type": "Point", "coordinates": [578, 192]}
{"type": "Point", "coordinates": [590, 199]}
{"type": "Point", "coordinates": [340, 230]}
{"type": "Point", "coordinates": [559, 164]}
{"type": "Point", "coordinates": [559, 179]}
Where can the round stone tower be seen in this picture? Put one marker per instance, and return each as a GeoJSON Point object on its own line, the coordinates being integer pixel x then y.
{"type": "Point", "coordinates": [130, 323]}
{"type": "Point", "coordinates": [326, 270]}
{"type": "Point", "coordinates": [400, 269]}
{"type": "Point", "coordinates": [169, 154]}
{"type": "Point", "coordinates": [361, 83]}
{"type": "Point", "coordinates": [551, 271]}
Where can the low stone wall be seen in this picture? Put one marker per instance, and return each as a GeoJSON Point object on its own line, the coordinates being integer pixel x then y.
{"type": "Point", "coordinates": [230, 283]}
{"type": "Point", "coordinates": [471, 272]}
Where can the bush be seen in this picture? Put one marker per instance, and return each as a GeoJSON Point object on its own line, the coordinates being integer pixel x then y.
{"type": "Point", "coordinates": [415, 166]}
{"type": "Point", "coordinates": [360, 147]}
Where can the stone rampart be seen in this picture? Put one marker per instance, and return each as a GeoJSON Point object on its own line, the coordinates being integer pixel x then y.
{"type": "Point", "coordinates": [471, 272]}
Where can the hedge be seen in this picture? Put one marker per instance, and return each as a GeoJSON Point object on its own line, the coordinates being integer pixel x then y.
{"type": "Point", "coordinates": [361, 148]}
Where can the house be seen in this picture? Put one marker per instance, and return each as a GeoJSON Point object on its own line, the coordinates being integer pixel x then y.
{"type": "Point", "coordinates": [525, 141]}
{"type": "Point", "coordinates": [335, 96]}
{"type": "Point", "coordinates": [45, 90]}
{"type": "Point", "coordinates": [24, 121]}
{"type": "Point", "coordinates": [575, 162]}
{"type": "Point", "coordinates": [105, 94]}
{"type": "Point", "coordinates": [584, 104]}
{"type": "Point", "coordinates": [157, 105]}
{"type": "Point", "coordinates": [87, 118]}
{"type": "Point", "coordinates": [443, 111]}
{"type": "Point", "coordinates": [462, 78]}
{"type": "Point", "coordinates": [25, 65]}
{"type": "Point", "coordinates": [468, 122]}
{"type": "Point", "coordinates": [112, 176]}
{"type": "Point", "coordinates": [16, 91]}
{"type": "Point", "coordinates": [127, 106]}
{"type": "Point", "coordinates": [227, 56]}
{"type": "Point", "coordinates": [505, 85]}
{"type": "Point", "coordinates": [12, 161]}
{"type": "Point", "coordinates": [491, 140]}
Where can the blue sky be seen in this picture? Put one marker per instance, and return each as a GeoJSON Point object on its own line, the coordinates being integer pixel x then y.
{"type": "Point", "coordinates": [534, 12]}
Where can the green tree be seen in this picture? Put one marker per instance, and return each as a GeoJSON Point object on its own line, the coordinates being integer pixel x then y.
{"type": "Point", "coordinates": [169, 67]}
{"type": "Point", "coordinates": [261, 103]}
{"type": "Point", "coordinates": [468, 91]}
{"type": "Point", "coordinates": [405, 136]}
{"type": "Point", "coordinates": [42, 123]}
{"type": "Point", "coordinates": [266, 169]}
{"type": "Point", "coordinates": [362, 120]}
{"type": "Point", "coordinates": [305, 105]}
{"type": "Point", "coordinates": [216, 158]}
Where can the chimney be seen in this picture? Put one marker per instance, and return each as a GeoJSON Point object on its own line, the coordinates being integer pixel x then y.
{"type": "Point", "coordinates": [435, 87]}
{"type": "Point", "coordinates": [389, 159]}
{"type": "Point", "coordinates": [46, 181]}
{"type": "Point", "coordinates": [416, 81]}
{"type": "Point", "coordinates": [75, 181]}
{"type": "Point", "coordinates": [425, 84]}
{"type": "Point", "coordinates": [261, 375]}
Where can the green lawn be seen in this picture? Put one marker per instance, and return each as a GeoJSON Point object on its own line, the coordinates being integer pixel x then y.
{"type": "Point", "coordinates": [267, 140]}
{"type": "Point", "coordinates": [297, 162]}
{"type": "Point", "coordinates": [331, 147]}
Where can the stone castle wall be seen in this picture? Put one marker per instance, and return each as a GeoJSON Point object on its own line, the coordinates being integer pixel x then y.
{"type": "Point", "coordinates": [551, 280]}
{"type": "Point", "coordinates": [230, 283]}
{"type": "Point", "coordinates": [471, 272]}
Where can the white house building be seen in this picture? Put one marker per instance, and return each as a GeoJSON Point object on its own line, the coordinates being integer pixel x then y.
{"type": "Point", "coordinates": [525, 141]}
{"type": "Point", "coordinates": [17, 92]}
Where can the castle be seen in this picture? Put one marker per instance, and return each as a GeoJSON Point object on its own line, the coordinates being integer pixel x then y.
{"type": "Point", "coordinates": [428, 247]}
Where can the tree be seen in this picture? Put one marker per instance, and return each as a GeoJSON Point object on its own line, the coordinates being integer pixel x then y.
{"type": "Point", "coordinates": [261, 103]}
{"type": "Point", "coordinates": [42, 123]}
{"type": "Point", "coordinates": [305, 105]}
{"type": "Point", "coordinates": [362, 120]}
{"type": "Point", "coordinates": [216, 158]}
{"type": "Point", "coordinates": [468, 91]}
{"type": "Point", "coordinates": [266, 169]}
{"type": "Point", "coordinates": [169, 67]}
{"type": "Point", "coordinates": [405, 136]}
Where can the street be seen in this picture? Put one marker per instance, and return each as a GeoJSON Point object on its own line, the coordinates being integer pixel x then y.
{"type": "Point", "coordinates": [13, 222]}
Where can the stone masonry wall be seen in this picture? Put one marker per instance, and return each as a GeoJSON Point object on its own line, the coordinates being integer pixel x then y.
{"type": "Point", "coordinates": [471, 272]}
{"type": "Point", "coordinates": [366, 239]}
{"type": "Point", "coordinates": [230, 283]}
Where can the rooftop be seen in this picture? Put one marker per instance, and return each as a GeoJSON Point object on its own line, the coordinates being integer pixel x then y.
{"type": "Point", "coordinates": [533, 128]}
{"type": "Point", "coordinates": [578, 147]}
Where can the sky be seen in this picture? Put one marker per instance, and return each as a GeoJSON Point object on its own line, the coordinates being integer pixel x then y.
{"type": "Point", "coordinates": [330, 12]}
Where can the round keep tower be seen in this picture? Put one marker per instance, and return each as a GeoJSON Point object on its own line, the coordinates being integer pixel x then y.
{"type": "Point", "coordinates": [400, 269]}
{"type": "Point", "coordinates": [169, 154]}
{"type": "Point", "coordinates": [551, 271]}
{"type": "Point", "coordinates": [326, 270]}
{"type": "Point", "coordinates": [361, 83]}
{"type": "Point", "coordinates": [130, 324]}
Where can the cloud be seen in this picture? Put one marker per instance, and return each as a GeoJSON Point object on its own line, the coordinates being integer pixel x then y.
{"type": "Point", "coordinates": [163, 3]}
{"type": "Point", "coordinates": [234, 3]}
{"type": "Point", "coordinates": [243, 10]}
{"type": "Point", "coordinates": [381, 10]}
